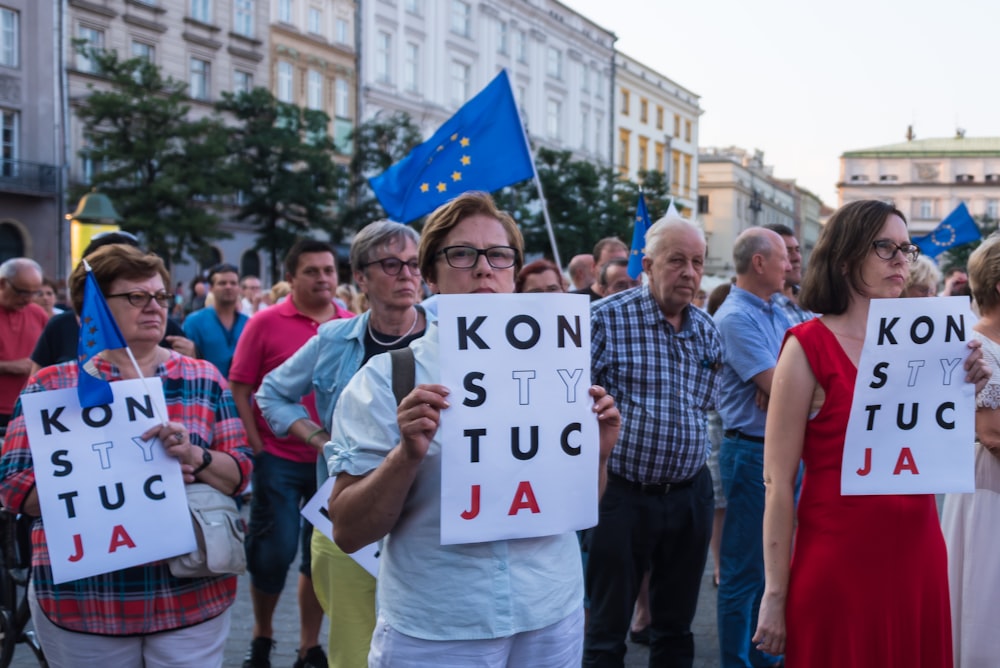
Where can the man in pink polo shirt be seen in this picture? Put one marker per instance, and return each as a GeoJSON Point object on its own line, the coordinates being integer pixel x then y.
{"type": "Point", "coordinates": [284, 468]}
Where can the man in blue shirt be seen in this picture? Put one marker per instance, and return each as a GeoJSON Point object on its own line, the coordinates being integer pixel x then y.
{"type": "Point", "coordinates": [215, 329]}
{"type": "Point", "coordinates": [752, 324]}
{"type": "Point", "coordinates": [660, 358]}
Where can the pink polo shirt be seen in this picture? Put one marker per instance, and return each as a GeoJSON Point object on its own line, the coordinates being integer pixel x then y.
{"type": "Point", "coordinates": [270, 337]}
{"type": "Point", "coordinates": [19, 331]}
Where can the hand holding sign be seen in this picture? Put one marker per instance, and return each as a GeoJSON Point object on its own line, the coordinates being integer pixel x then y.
{"type": "Point", "coordinates": [419, 416]}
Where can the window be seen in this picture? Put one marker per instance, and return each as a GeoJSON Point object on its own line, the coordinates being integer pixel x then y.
{"type": "Point", "coordinates": [93, 39]}
{"type": "Point", "coordinates": [675, 166]}
{"type": "Point", "coordinates": [503, 38]}
{"type": "Point", "coordinates": [459, 82]}
{"type": "Point", "coordinates": [243, 17]}
{"type": "Point", "coordinates": [383, 56]}
{"type": "Point", "coordinates": [286, 76]}
{"type": "Point", "coordinates": [553, 119]}
{"type": "Point", "coordinates": [658, 150]}
{"type": "Point", "coordinates": [242, 82]}
{"type": "Point", "coordinates": [314, 90]}
{"type": "Point", "coordinates": [285, 11]}
{"type": "Point", "coordinates": [521, 45]}
{"type": "Point", "coordinates": [585, 130]}
{"type": "Point", "coordinates": [702, 203]}
{"type": "Point", "coordinates": [9, 141]}
{"type": "Point", "coordinates": [859, 177]}
{"type": "Point", "coordinates": [643, 110]}
{"type": "Point", "coordinates": [625, 100]}
{"type": "Point", "coordinates": [624, 137]}
{"type": "Point", "coordinates": [599, 84]}
{"type": "Point", "coordinates": [342, 36]}
{"type": "Point", "coordinates": [687, 131]}
{"type": "Point", "coordinates": [342, 103]}
{"type": "Point", "coordinates": [599, 134]}
{"type": "Point", "coordinates": [10, 37]}
{"type": "Point", "coordinates": [411, 67]}
{"type": "Point", "coordinates": [554, 63]}
{"type": "Point", "coordinates": [643, 153]}
{"type": "Point", "coordinates": [584, 79]}
{"type": "Point", "coordinates": [461, 13]}
{"type": "Point", "coordinates": [143, 50]}
{"type": "Point", "coordinates": [201, 10]}
{"type": "Point", "coordinates": [413, 7]}
{"type": "Point", "coordinates": [199, 78]}
{"type": "Point", "coordinates": [315, 21]}
{"type": "Point", "coordinates": [992, 209]}
{"type": "Point", "coordinates": [925, 209]}
{"type": "Point", "coordinates": [687, 174]}
{"type": "Point", "coordinates": [888, 178]}
{"type": "Point", "coordinates": [964, 178]}
{"type": "Point", "coordinates": [659, 118]}
{"type": "Point", "coordinates": [677, 127]}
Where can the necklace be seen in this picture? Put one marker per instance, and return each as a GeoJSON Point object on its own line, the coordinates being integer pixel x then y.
{"type": "Point", "coordinates": [389, 344]}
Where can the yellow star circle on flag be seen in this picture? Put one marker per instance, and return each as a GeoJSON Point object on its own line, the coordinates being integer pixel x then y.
{"type": "Point", "coordinates": [456, 176]}
{"type": "Point", "coordinates": [424, 187]}
{"type": "Point", "coordinates": [441, 187]}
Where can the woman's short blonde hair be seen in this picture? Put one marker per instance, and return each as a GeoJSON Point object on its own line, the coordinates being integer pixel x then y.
{"type": "Point", "coordinates": [923, 271]}
{"type": "Point", "coordinates": [984, 273]}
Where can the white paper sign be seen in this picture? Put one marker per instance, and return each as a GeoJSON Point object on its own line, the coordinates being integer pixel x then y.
{"type": "Point", "coordinates": [109, 500]}
{"type": "Point", "coordinates": [912, 423]}
{"type": "Point", "coordinates": [520, 450]}
{"type": "Point", "coordinates": [316, 513]}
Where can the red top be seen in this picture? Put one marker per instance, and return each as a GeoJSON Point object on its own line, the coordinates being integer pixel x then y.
{"type": "Point", "coordinates": [269, 338]}
{"type": "Point", "coordinates": [869, 584]}
{"type": "Point", "coordinates": [19, 331]}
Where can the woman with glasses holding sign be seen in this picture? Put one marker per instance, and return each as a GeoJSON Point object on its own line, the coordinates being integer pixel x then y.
{"type": "Point", "coordinates": [510, 602]}
{"type": "Point", "coordinates": [384, 258]}
{"type": "Point", "coordinates": [867, 583]}
{"type": "Point", "coordinates": [142, 615]}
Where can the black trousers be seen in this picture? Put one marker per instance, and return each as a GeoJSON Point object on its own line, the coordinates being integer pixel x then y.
{"type": "Point", "coordinates": [666, 533]}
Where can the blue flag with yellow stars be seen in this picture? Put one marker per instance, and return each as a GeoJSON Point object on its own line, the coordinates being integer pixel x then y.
{"type": "Point", "coordinates": [481, 147]}
{"type": "Point", "coordinates": [98, 331]}
{"type": "Point", "coordinates": [642, 226]}
{"type": "Point", "coordinates": [958, 229]}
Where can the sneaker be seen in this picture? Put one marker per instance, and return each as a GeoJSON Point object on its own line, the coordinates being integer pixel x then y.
{"type": "Point", "coordinates": [259, 654]}
{"type": "Point", "coordinates": [315, 658]}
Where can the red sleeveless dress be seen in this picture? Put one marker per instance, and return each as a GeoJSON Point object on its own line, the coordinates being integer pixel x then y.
{"type": "Point", "coordinates": [869, 584]}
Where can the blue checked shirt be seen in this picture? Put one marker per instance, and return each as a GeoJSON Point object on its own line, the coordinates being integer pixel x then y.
{"type": "Point", "coordinates": [663, 381]}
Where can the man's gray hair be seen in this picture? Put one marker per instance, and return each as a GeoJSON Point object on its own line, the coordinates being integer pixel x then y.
{"type": "Point", "coordinates": [669, 222]}
{"type": "Point", "coordinates": [378, 234]}
{"type": "Point", "coordinates": [754, 241]}
{"type": "Point", "coordinates": [13, 266]}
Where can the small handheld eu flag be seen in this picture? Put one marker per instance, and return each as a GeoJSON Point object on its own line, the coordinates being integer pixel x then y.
{"type": "Point", "coordinates": [638, 250]}
{"type": "Point", "coordinates": [98, 331]}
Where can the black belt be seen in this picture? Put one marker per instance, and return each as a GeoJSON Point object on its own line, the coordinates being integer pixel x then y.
{"type": "Point", "coordinates": [653, 489]}
{"type": "Point", "coordinates": [736, 433]}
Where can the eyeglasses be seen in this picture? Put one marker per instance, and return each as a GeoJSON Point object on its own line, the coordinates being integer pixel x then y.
{"type": "Point", "coordinates": [393, 265]}
{"type": "Point", "coordinates": [21, 292]}
{"type": "Point", "coordinates": [466, 257]}
{"type": "Point", "coordinates": [886, 250]}
{"type": "Point", "coordinates": [141, 298]}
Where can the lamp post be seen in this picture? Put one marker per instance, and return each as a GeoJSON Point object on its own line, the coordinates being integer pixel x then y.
{"type": "Point", "coordinates": [94, 214]}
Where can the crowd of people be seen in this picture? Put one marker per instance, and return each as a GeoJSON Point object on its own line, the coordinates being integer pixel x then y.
{"type": "Point", "coordinates": [720, 419]}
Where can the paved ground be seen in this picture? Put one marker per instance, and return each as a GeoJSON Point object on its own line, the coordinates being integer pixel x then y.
{"type": "Point", "coordinates": [286, 626]}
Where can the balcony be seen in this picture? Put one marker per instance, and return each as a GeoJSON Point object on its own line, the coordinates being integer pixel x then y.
{"type": "Point", "coordinates": [28, 178]}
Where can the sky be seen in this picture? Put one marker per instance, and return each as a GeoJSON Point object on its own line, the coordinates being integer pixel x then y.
{"type": "Point", "coordinates": [806, 81]}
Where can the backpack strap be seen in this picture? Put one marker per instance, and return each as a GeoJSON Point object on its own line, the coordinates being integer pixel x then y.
{"type": "Point", "coordinates": [404, 372]}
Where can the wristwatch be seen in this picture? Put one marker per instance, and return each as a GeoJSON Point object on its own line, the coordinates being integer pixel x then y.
{"type": "Point", "coordinates": [206, 459]}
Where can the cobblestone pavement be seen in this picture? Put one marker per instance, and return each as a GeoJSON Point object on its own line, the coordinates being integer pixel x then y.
{"type": "Point", "coordinates": [286, 630]}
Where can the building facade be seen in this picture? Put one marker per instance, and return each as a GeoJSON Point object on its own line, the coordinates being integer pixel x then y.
{"type": "Point", "coordinates": [656, 128]}
{"type": "Point", "coordinates": [312, 61]}
{"type": "Point", "coordinates": [428, 57]}
{"type": "Point", "coordinates": [31, 134]}
{"type": "Point", "coordinates": [738, 191]}
{"type": "Point", "coordinates": [926, 178]}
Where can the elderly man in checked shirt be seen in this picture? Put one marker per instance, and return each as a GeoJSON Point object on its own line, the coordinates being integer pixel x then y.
{"type": "Point", "coordinates": [660, 357]}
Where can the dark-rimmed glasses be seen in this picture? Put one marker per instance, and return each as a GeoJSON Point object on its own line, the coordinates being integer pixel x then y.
{"type": "Point", "coordinates": [393, 265]}
{"type": "Point", "coordinates": [141, 298]}
{"type": "Point", "coordinates": [21, 292]}
{"type": "Point", "coordinates": [466, 257]}
{"type": "Point", "coordinates": [886, 250]}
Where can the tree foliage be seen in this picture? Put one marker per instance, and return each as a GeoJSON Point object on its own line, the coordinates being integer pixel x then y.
{"type": "Point", "coordinates": [281, 161]}
{"type": "Point", "coordinates": [160, 167]}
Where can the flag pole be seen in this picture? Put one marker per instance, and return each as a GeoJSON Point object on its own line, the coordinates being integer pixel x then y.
{"type": "Point", "coordinates": [135, 363]}
{"type": "Point", "coordinates": [541, 195]}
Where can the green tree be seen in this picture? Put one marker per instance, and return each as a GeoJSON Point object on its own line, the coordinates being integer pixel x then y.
{"type": "Point", "coordinates": [378, 144]}
{"type": "Point", "coordinates": [158, 165]}
{"type": "Point", "coordinates": [281, 161]}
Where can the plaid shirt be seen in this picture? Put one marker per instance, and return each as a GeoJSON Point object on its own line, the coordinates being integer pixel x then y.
{"type": "Point", "coordinates": [663, 381]}
{"type": "Point", "coordinates": [142, 599]}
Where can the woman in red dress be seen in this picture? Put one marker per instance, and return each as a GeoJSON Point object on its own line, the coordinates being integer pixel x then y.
{"type": "Point", "coordinates": [867, 583]}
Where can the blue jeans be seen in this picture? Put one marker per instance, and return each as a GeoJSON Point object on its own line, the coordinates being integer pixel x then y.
{"type": "Point", "coordinates": [280, 488]}
{"type": "Point", "coordinates": [741, 568]}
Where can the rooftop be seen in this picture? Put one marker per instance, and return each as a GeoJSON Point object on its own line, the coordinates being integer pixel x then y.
{"type": "Point", "coordinates": [934, 147]}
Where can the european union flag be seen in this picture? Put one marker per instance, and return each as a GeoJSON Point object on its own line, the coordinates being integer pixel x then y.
{"type": "Point", "coordinates": [957, 229]}
{"type": "Point", "coordinates": [98, 331]}
{"type": "Point", "coordinates": [481, 147]}
{"type": "Point", "coordinates": [642, 226]}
